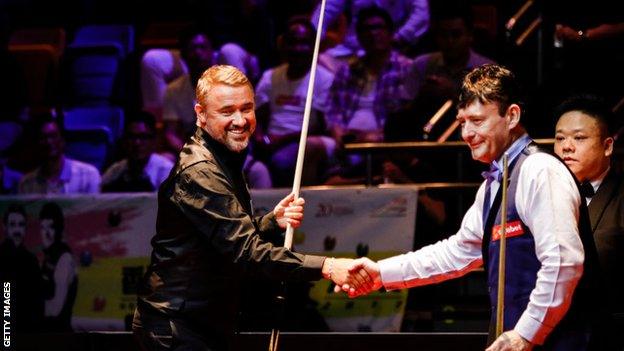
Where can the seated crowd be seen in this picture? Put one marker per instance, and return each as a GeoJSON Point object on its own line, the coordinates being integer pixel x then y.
{"type": "Point", "coordinates": [377, 83]}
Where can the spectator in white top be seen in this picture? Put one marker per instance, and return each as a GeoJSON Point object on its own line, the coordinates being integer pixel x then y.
{"type": "Point", "coordinates": [58, 174]}
{"type": "Point", "coordinates": [411, 19]}
{"type": "Point", "coordinates": [178, 114]}
{"type": "Point", "coordinates": [142, 170]}
{"type": "Point", "coordinates": [280, 99]}
{"type": "Point", "coordinates": [160, 67]}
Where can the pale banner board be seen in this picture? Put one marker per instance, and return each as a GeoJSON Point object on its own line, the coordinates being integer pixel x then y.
{"type": "Point", "coordinates": [109, 236]}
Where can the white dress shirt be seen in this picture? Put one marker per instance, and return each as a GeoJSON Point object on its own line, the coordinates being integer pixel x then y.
{"type": "Point", "coordinates": [547, 201]}
{"type": "Point", "coordinates": [76, 178]}
{"type": "Point", "coordinates": [156, 169]}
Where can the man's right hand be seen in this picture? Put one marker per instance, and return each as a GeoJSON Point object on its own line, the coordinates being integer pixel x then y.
{"type": "Point", "coordinates": [339, 270]}
{"type": "Point", "coordinates": [363, 267]}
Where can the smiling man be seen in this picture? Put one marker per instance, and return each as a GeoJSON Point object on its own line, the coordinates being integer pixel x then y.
{"type": "Point", "coordinates": [208, 241]}
{"type": "Point", "coordinates": [550, 252]}
{"type": "Point", "coordinates": [584, 140]}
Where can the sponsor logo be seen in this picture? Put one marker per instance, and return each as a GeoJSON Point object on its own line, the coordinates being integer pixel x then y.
{"type": "Point", "coordinates": [512, 229]}
{"type": "Point", "coordinates": [325, 209]}
{"type": "Point", "coordinates": [397, 207]}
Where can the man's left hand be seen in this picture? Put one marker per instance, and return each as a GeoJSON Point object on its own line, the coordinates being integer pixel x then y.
{"type": "Point", "coordinates": [289, 211]}
{"type": "Point", "coordinates": [510, 341]}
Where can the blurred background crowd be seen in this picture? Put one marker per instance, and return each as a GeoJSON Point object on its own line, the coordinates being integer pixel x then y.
{"type": "Point", "coordinates": [98, 96]}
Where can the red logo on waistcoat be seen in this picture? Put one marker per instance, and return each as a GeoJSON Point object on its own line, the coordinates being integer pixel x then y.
{"type": "Point", "coordinates": [513, 229]}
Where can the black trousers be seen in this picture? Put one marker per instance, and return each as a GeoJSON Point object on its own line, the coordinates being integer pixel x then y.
{"type": "Point", "coordinates": [155, 331]}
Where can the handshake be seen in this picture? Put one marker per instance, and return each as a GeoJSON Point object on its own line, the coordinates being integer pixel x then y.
{"type": "Point", "coordinates": [355, 277]}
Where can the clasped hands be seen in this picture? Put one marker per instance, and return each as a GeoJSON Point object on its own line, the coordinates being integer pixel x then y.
{"type": "Point", "coordinates": [355, 277]}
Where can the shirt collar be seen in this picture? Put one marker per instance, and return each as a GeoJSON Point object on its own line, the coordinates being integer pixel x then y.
{"type": "Point", "coordinates": [598, 181]}
{"type": "Point", "coordinates": [496, 167]}
{"type": "Point", "coordinates": [514, 150]}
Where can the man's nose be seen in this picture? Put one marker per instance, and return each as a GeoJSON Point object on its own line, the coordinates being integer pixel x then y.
{"type": "Point", "coordinates": [567, 145]}
{"type": "Point", "coordinates": [238, 119]}
{"type": "Point", "coordinates": [467, 132]}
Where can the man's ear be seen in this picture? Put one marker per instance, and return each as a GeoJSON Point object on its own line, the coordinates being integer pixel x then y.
{"type": "Point", "coordinates": [513, 113]}
{"type": "Point", "coordinates": [201, 116]}
{"type": "Point", "coordinates": [608, 145]}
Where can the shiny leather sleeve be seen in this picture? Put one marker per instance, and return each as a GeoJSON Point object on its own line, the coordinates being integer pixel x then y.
{"type": "Point", "coordinates": [207, 199]}
{"type": "Point", "coordinates": [268, 224]}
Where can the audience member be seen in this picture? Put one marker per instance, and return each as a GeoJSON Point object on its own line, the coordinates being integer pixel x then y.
{"type": "Point", "coordinates": [584, 140]}
{"type": "Point", "coordinates": [178, 114]}
{"type": "Point", "coordinates": [20, 269]}
{"type": "Point", "coordinates": [257, 173]}
{"type": "Point", "coordinates": [589, 46]}
{"type": "Point", "coordinates": [59, 270]}
{"type": "Point", "coordinates": [440, 73]}
{"type": "Point", "coordinates": [160, 67]}
{"type": "Point", "coordinates": [374, 85]}
{"type": "Point", "coordinates": [280, 100]}
{"type": "Point", "coordinates": [142, 170]}
{"type": "Point", "coordinates": [411, 18]}
{"type": "Point", "coordinates": [58, 174]}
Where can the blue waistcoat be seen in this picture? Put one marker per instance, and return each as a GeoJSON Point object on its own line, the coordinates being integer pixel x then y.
{"type": "Point", "coordinates": [574, 330]}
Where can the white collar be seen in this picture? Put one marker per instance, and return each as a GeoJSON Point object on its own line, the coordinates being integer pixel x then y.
{"type": "Point", "coordinates": [598, 181]}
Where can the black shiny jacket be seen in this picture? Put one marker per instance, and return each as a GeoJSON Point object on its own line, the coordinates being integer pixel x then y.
{"type": "Point", "coordinates": [208, 241]}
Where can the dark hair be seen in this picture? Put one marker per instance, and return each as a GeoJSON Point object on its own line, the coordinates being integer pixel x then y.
{"type": "Point", "coordinates": [370, 12]}
{"type": "Point", "coordinates": [51, 210]}
{"type": "Point", "coordinates": [13, 208]}
{"type": "Point", "coordinates": [594, 107]}
{"type": "Point", "coordinates": [42, 119]}
{"type": "Point", "coordinates": [491, 83]}
{"type": "Point", "coordinates": [300, 20]}
{"type": "Point", "coordinates": [190, 32]}
{"type": "Point", "coordinates": [141, 117]}
{"type": "Point", "coordinates": [455, 11]}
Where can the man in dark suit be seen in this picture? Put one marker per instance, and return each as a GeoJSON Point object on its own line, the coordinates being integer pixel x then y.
{"type": "Point", "coordinates": [584, 141]}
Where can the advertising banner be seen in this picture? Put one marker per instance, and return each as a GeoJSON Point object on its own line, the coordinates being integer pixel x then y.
{"type": "Point", "coordinates": [108, 237]}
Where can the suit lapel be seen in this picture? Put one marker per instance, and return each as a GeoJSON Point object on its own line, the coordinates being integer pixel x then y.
{"type": "Point", "coordinates": [602, 198]}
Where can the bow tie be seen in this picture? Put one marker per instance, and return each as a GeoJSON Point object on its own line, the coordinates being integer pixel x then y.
{"type": "Point", "coordinates": [494, 173]}
{"type": "Point", "coordinates": [587, 190]}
